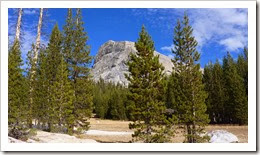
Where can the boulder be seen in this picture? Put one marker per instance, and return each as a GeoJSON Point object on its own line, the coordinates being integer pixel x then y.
{"type": "Point", "coordinates": [222, 136]}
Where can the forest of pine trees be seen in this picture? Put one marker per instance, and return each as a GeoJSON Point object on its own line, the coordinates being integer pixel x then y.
{"type": "Point", "coordinates": [55, 92]}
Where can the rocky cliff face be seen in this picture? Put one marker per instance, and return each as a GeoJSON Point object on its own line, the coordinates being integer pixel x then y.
{"type": "Point", "coordinates": [110, 62]}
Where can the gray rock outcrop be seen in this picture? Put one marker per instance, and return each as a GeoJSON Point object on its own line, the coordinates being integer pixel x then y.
{"type": "Point", "coordinates": [110, 63]}
{"type": "Point", "coordinates": [222, 136]}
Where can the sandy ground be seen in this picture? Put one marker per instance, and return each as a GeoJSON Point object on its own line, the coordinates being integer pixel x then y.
{"type": "Point", "coordinates": [118, 131]}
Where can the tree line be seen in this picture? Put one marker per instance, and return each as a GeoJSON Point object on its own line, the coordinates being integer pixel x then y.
{"type": "Point", "coordinates": [55, 92]}
{"type": "Point", "coordinates": [227, 86]}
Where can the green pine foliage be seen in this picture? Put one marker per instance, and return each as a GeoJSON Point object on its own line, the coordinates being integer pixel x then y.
{"type": "Point", "coordinates": [62, 96]}
{"type": "Point", "coordinates": [237, 99]}
{"type": "Point", "coordinates": [209, 87]}
{"type": "Point", "coordinates": [188, 89]}
{"type": "Point", "coordinates": [227, 86]}
{"type": "Point", "coordinates": [41, 105]}
{"type": "Point", "coordinates": [110, 100]}
{"type": "Point", "coordinates": [57, 94]}
{"type": "Point", "coordinates": [76, 54]}
{"type": "Point", "coordinates": [242, 67]}
{"type": "Point", "coordinates": [31, 79]}
{"type": "Point", "coordinates": [117, 101]}
{"type": "Point", "coordinates": [145, 96]}
{"type": "Point", "coordinates": [53, 60]}
{"type": "Point", "coordinates": [214, 85]}
{"type": "Point", "coordinates": [68, 37]}
{"type": "Point", "coordinates": [101, 98]}
{"type": "Point", "coordinates": [17, 98]}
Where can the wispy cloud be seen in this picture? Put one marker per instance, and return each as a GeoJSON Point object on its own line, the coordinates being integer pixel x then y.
{"type": "Point", "coordinates": [29, 11]}
{"type": "Point", "coordinates": [226, 27]}
{"type": "Point", "coordinates": [233, 43]}
{"type": "Point", "coordinates": [159, 18]}
{"type": "Point", "coordinates": [167, 48]}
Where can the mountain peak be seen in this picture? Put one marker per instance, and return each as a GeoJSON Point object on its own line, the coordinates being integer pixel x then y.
{"type": "Point", "coordinates": [110, 62]}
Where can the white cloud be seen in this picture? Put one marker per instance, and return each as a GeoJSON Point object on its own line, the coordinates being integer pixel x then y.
{"type": "Point", "coordinates": [226, 27]}
{"type": "Point", "coordinates": [29, 11]}
{"type": "Point", "coordinates": [167, 48]}
{"type": "Point", "coordinates": [233, 43]}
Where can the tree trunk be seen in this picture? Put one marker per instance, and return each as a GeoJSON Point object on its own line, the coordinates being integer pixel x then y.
{"type": "Point", "coordinates": [38, 39]}
{"type": "Point", "coordinates": [18, 26]}
{"type": "Point", "coordinates": [34, 63]}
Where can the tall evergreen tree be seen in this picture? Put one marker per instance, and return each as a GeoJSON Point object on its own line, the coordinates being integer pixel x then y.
{"type": "Point", "coordinates": [76, 53]}
{"type": "Point", "coordinates": [62, 96]}
{"type": "Point", "coordinates": [16, 88]}
{"type": "Point", "coordinates": [242, 67]}
{"type": "Point", "coordinates": [100, 98]}
{"type": "Point", "coordinates": [188, 87]}
{"type": "Point", "coordinates": [214, 85]}
{"type": "Point", "coordinates": [53, 60]}
{"type": "Point", "coordinates": [236, 104]}
{"type": "Point", "coordinates": [41, 85]}
{"type": "Point", "coordinates": [32, 69]}
{"type": "Point", "coordinates": [109, 100]}
{"type": "Point", "coordinates": [32, 105]}
{"type": "Point", "coordinates": [146, 93]}
{"type": "Point", "coordinates": [209, 87]}
{"type": "Point", "coordinates": [219, 96]}
{"type": "Point", "coordinates": [116, 103]}
{"type": "Point", "coordinates": [68, 37]}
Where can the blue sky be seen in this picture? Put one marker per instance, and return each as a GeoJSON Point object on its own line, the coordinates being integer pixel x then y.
{"type": "Point", "coordinates": [216, 30]}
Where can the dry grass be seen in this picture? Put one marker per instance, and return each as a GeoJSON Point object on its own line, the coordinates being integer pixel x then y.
{"type": "Point", "coordinates": [110, 125]}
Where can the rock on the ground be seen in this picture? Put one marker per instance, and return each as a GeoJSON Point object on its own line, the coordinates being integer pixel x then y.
{"type": "Point", "coordinates": [222, 136]}
{"type": "Point", "coordinates": [47, 137]}
{"type": "Point", "coordinates": [110, 62]}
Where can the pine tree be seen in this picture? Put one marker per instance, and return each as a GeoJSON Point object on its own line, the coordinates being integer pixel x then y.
{"type": "Point", "coordinates": [209, 87]}
{"type": "Point", "coordinates": [32, 69]}
{"type": "Point", "coordinates": [62, 97]}
{"type": "Point", "coordinates": [100, 98]}
{"type": "Point", "coordinates": [16, 91]}
{"type": "Point", "coordinates": [145, 94]}
{"type": "Point", "coordinates": [236, 104]}
{"type": "Point", "coordinates": [214, 85]}
{"type": "Point", "coordinates": [242, 67]}
{"type": "Point", "coordinates": [110, 100]}
{"type": "Point", "coordinates": [32, 105]}
{"type": "Point", "coordinates": [188, 87]}
{"type": "Point", "coordinates": [76, 53]}
{"type": "Point", "coordinates": [116, 102]}
{"type": "Point", "coordinates": [219, 90]}
{"type": "Point", "coordinates": [53, 60]}
{"type": "Point", "coordinates": [68, 37]}
{"type": "Point", "coordinates": [40, 97]}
